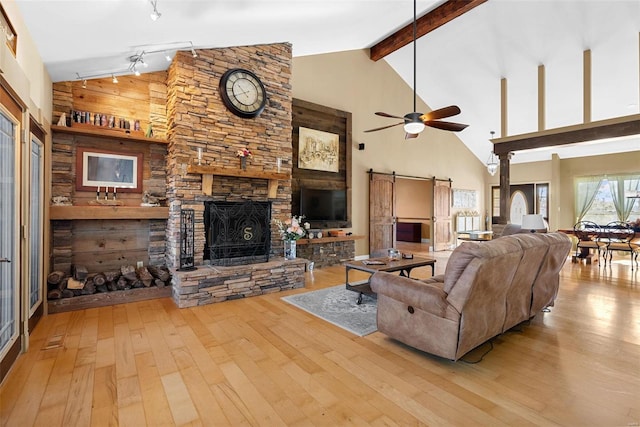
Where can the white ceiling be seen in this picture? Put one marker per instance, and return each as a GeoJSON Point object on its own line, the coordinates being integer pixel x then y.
{"type": "Point", "coordinates": [460, 63]}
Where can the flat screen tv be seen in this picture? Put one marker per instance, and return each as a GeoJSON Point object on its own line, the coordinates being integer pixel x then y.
{"type": "Point", "coordinates": [323, 205]}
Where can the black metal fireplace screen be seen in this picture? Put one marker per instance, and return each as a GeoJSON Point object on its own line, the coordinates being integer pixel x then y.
{"type": "Point", "coordinates": [237, 233]}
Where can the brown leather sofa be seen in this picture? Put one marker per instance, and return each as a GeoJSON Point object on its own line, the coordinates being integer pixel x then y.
{"type": "Point", "coordinates": [487, 288]}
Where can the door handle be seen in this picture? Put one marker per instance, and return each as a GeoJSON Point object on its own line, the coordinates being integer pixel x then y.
{"type": "Point", "coordinates": [5, 260]}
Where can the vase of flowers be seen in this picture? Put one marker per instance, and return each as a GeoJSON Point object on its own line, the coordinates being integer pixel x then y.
{"type": "Point", "coordinates": [244, 154]}
{"type": "Point", "coordinates": [291, 230]}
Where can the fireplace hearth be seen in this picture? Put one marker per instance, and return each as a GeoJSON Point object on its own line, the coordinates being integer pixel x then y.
{"type": "Point", "coordinates": [237, 233]}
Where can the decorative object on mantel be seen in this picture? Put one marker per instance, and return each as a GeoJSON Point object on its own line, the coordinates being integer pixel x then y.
{"type": "Point", "coordinates": [61, 201]}
{"type": "Point", "coordinates": [149, 200]}
{"type": "Point", "coordinates": [187, 245]}
{"type": "Point", "coordinates": [243, 154]}
{"type": "Point", "coordinates": [290, 231]}
{"type": "Point", "coordinates": [149, 132]}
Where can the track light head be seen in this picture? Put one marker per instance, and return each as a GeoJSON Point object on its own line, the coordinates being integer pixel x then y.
{"type": "Point", "coordinates": [84, 83]}
{"type": "Point", "coordinates": [194, 53]}
{"type": "Point", "coordinates": [114, 79]}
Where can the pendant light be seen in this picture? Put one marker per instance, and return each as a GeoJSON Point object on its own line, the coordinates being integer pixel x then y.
{"type": "Point", "coordinates": [492, 163]}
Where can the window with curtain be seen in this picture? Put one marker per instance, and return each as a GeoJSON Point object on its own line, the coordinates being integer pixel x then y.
{"type": "Point", "coordinates": [612, 198]}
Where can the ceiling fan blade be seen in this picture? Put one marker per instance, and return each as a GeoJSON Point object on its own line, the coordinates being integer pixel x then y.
{"type": "Point", "coordinates": [411, 135]}
{"type": "Point", "coordinates": [380, 113]}
{"type": "Point", "coordinates": [441, 113]}
{"type": "Point", "coordinates": [453, 127]}
{"type": "Point", "coordinates": [384, 127]}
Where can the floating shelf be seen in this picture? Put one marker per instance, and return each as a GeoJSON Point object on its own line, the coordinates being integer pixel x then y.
{"type": "Point", "coordinates": [208, 172]}
{"type": "Point", "coordinates": [108, 212]}
{"type": "Point", "coordinates": [328, 239]}
{"type": "Point", "coordinates": [90, 130]}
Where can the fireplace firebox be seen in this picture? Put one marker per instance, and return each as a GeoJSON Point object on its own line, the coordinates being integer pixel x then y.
{"type": "Point", "coordinates": [237, 233]}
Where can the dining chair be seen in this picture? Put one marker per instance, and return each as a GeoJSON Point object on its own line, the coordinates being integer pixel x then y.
{"type": "Point", "coordinates": [589, 236]}
{"type": "Point", "coordinates": [619, 237]}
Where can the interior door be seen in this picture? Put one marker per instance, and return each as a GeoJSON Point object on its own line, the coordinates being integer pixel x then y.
{"type": "Point", "coordinates": [35, 243]}
{"type": "Point", "coordinates": [382, 217]}
{"type": "Point", "coordinates": [9, 245]}
{"type": "Point", "coordinates": [442, 235]}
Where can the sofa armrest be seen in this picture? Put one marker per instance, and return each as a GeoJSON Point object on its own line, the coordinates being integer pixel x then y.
{"type": "Point", "coordinates": [426, 295]}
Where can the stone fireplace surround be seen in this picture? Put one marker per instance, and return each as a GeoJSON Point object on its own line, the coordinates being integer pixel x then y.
{"type": "Point", "coordinates": [197, 118]}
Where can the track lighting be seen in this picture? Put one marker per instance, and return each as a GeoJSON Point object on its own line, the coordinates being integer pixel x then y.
{"type": "Point", "coordinates": [137, 61]}
{"type": "Point", "coordinates": [155, 15]}
{"type": "Point", "coordinates": [84, 83]}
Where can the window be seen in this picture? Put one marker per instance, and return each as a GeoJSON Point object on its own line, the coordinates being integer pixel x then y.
{"type": "Point", "coordinates": [605, 199]}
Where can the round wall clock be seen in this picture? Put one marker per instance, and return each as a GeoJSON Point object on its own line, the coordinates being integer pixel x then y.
{"type": "Point", "coordinates": [242, 92]}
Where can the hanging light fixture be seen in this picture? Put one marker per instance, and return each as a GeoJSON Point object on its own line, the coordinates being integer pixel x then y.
{"type": "Point", "coordinates": [155, 15]}
{"type": "Point", "coordinates": [492, 163]}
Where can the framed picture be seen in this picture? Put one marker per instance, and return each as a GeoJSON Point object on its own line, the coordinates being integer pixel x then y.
{"type": "Point", "coordinates": [465, 199]}
{"type": "Point", "coordinates": [318, 150]}
{"type": "Point", "coordinates": [98, 168]}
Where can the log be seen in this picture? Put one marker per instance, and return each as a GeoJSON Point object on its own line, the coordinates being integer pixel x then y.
{"type": "Point", "coordinates": [66, 293]}
{"type": "Point", "coordinates": [137, 284]}
{"type": "Point", "coordinates": [129, 271]}
{"type": "Point", "coordinates": [159, 283]}
{"type": "Point", "coordinates": [99, 279]}
{"type": "Point", "coordinates": [111, 286]}
{"type": "Point", "coordinates": [54, 294]}
{"type": "Point", "coordinates": [89, 288]}
{"type": "Point", "coordinates": [55, 277]}
{"type": "Point", "coordinates": [161, 273]}
{"type": "Point", "coordinates": [102, 289]}
{"type": "Point", "coordinates": [121, 283]}
{"type": "Point", "coordinates": [79, 272]}
{"type": "Point", "coordinates": [144, 276]}
{"type": "Point", "coordinates": [111, 276]}
{"type": "Point", "coordinates": [75, 284]}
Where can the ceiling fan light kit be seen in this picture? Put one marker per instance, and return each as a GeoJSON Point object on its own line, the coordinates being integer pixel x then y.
{"type": "Point", "coordinates": [414, 123]}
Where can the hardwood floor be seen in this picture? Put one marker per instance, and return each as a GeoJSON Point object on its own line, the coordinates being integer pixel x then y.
{"type": "Point", "coordinates": [260, 361]}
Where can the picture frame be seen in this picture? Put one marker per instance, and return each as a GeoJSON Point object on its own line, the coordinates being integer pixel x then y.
{"type": "Point", "coordinates": [464, 199]}
{"type": "Point", "coordinates": [318, 150]}
{"type": "Point", "coordinates": [101, 168]}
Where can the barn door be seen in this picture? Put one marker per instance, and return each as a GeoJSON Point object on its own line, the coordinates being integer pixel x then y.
{"type": "Point", "coordinates": [382, 212]}
{"type": "Point", "coordinates": [441, 215]}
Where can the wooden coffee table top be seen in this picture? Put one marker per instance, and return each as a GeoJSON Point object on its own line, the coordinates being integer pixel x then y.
{"type": "Point", "coordinates": [389, 265]}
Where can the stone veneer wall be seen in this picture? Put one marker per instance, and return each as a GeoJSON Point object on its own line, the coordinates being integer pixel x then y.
{"type": "Point", "coordinates": [197, 118]}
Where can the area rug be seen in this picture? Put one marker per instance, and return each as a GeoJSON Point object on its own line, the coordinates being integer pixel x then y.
{"type": "Point", "coordinates": [337, 305]}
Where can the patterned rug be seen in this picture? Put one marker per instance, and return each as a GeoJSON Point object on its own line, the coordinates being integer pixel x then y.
{"type": "Point", "coordinates": [337, 305]}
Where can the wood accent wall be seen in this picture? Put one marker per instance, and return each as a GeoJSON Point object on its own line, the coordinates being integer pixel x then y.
{"type": "Point", "coordinates": [314, 116]}
{"type": "Point", "coordinates": [108, 244]}
{"type": "Point", "coordinates": [141, 97]}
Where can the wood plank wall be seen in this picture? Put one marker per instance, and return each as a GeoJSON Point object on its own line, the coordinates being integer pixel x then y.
{"type": "Point", "coordinates": [318, 117]}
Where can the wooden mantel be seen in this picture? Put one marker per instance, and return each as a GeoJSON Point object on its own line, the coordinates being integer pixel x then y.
{"type": "Point", "coordinates": [208, 172]}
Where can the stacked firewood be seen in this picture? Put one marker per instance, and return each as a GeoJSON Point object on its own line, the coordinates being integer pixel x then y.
{"type": "Point", "coordinates": [81, 282]}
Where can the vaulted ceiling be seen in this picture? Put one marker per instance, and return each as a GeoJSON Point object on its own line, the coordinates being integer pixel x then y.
{"type": "Point", "coordinates": [461, 62]}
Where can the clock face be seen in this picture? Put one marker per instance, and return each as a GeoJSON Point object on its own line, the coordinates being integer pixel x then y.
{"type": "Point", "coordinates": [242, 93]}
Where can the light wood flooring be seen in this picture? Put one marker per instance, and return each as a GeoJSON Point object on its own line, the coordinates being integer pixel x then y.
{"type": "Point", "coordinates": [260, 361]}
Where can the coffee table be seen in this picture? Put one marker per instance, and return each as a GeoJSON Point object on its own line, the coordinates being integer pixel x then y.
{"type": "Point", "coordinates": [373, 265]}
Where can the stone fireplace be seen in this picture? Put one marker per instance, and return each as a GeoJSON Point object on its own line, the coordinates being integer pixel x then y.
{"type": "Point", "coordinates": [197, 120]}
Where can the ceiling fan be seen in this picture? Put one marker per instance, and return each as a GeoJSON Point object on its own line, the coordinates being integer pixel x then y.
{"type": "Point", "coordinates": [415, 122]}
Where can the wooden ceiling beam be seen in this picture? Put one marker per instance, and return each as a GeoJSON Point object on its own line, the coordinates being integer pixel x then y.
{"type": "Point", "coordinates": [439, 16]}
{"type": "Point", "coordinates": [604, 129]}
